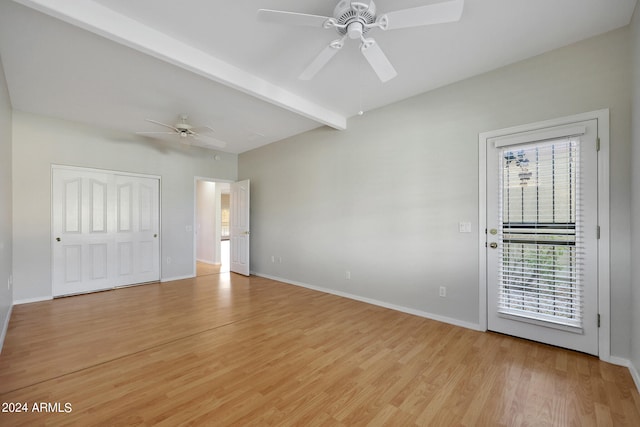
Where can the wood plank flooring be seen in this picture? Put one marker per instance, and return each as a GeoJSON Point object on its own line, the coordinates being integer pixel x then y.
{"type": "Point", "coordinates": [224, 349]}
{"type": "Point", "coordinates": [204, 269]}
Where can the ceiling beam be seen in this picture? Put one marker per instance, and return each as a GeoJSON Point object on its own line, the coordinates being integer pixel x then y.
{"type": "Point", "coordinates": [114, 26]}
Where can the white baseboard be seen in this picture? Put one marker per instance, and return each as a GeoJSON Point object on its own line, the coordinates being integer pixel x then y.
{"type": "Point", "coordinates": [627, 364]}
{"type": "Point", "coordinates": [5, 327]}
{"type": "Point", "coordinates": [30, 300]}
{"type": "Point", "coordinates": [420, 313]}
{"type": "Point", "coordinates": [620, 361]}
{"type": "Point", "coordinates": [634, 375]}
{"type": "Point", "coordinates": [172, 279]}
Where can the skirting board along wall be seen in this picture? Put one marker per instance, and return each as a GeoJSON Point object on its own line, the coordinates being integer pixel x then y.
{"type": "Point", "coordinates": [5, 327]}
{"type": "Point", "coordinates": [30, 300]}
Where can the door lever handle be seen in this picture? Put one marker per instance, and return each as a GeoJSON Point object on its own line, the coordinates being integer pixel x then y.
{"type": "Point", "coordinates": [57, 239]}
{"type": "Point", "coordinates": [493, 245]}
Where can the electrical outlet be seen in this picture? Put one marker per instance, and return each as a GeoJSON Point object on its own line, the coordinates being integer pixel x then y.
{"type": "Point", "coordinates": [347, 275]}
{"type": "Point", "coordinates": [443, 291]}
{"type": "Point", "coordinates": [279, 260]}
{"type": "Point", "coordinates": [273, 259]}
{"type": "Point", "coordinates": [168, 260]}
{"type": "Point", "coordinates": [9, 282]}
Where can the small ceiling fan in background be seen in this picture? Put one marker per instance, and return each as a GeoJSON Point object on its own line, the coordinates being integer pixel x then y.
{"type": "Point", "coordinates": [187, 132]}
{"type": "Point", "coordinates": [355, 19]}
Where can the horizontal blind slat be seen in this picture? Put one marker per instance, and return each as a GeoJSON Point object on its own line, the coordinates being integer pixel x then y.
{"type": "Point", "coordinates": [541, 258]}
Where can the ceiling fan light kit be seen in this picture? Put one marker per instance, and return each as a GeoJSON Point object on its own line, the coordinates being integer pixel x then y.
{"type": "Point", "coordinates": [352, 19]}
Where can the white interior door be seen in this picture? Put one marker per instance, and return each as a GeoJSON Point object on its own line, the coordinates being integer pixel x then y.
{"type": "Point", "coordinates": [104, 230]}
{"type": "Point", "coordinates": [137, 229]}
{"type": "Point", "coordinates": [542, 256]}
{"type": "Point", "coordinates": [82, 239]}
{"type": "Point", "coordinates": [239, 227]}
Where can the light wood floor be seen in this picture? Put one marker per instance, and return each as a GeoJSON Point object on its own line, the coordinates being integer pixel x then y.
{"type": "Point", "coordinates": [204, 269]}
{"type": "Point", "coordinates": [224, 349]}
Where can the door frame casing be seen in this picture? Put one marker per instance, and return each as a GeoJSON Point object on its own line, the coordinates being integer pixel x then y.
{"type": "Point", "coordinates": [604, 281]}
{"type": "Point", "coordinates": [195, 208]}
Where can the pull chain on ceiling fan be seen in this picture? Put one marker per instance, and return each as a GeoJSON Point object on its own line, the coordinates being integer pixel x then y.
{"type": "Point", "coordinates": [352, 19]}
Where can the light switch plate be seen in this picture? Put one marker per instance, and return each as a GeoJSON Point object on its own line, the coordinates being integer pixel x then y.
{"type": "Point", "coordinates": [465, 227]}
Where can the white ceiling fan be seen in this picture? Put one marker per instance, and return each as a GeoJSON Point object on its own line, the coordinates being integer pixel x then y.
{"type": "Point", "coordinates": [355, 19]}
{"type": "Point", "coordinates": [187, 132]}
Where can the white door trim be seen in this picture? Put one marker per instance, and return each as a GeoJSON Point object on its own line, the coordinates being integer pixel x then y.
{"type": "Point", "coordinates": [83, 169]}
{"type": "Point", "coordinates": [195, 208]}
{"type": "Point", "coordinates": [604, 285]}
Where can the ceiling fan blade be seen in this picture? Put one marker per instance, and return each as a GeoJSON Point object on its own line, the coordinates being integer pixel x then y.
{"type": "Point", "coordinates": [438, 13]}
{"type": "Point", "coordinates": [162, 124]}
{"type": "Point", "coordinates": [155, 133]}
{"type": "Point", "coordinates": [378, 60]}
{"type": "Point", "coordinates": [201, 129]}
{"type": "Point", "coordinates": [322, 59]}
{"type": "Point", "coordinates": [209, 141]}
{"type": "Point", "coordinates": [291, 18]}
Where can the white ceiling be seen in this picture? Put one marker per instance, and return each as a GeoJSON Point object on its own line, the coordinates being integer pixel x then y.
{"type": "Point", "coordinates": [115, 63]}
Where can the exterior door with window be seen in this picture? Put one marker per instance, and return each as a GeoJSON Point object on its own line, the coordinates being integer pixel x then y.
{"type": "Point", "coordinates": [542, 231]}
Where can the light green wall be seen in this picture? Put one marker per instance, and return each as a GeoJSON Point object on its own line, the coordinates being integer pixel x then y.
{"type": "Point", "coordinates": [635, 161]}
{"type": "Point", "coordinates": [383, 199]}
{"type": "Point", "coordinates": [6, 241]}
{"type": "Point", "coordinates": [39, 142]}
{"type": "Point", "coordinates": [206, 241]}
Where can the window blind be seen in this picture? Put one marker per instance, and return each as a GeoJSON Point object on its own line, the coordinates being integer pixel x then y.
{"type": "Point", "coordinates": [541, 256]}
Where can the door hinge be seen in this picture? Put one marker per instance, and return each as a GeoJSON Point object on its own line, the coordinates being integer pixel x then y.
{"type": "Point", "coordinates": [598, 144]}
{"type": "Point", "coordinates": [598, 320]}
{"type": "Point", "coordinates": [598, 232]}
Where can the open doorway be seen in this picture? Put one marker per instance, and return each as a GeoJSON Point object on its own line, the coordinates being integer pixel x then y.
{"type": "Point", "coordinates": [212, 248]}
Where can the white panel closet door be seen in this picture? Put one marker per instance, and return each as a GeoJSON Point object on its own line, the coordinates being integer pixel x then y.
{"type": "Point", "coordinates": [137, 229]}
{"type": "Point", "coordinates": [82, 238]}
{"type": "Point", "coordinates": [105, 230]}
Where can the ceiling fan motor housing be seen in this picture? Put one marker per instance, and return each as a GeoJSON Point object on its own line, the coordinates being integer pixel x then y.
{"type": "Point", "coordinates": [352, 17]}
{"type": "Point", "coordinates": [184, 129]}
